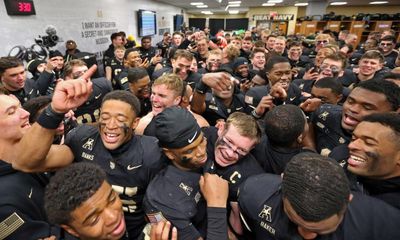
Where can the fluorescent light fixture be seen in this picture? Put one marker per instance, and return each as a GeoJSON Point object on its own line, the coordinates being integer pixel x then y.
{"type": "Point", "coordinates": [206, 12]}
{"type": "Point", "coordinates": [301, 4]}
{"type": "Point", "coordinates": [275, 1]}
{"type": "Point", "coordinates": [234, 5]}
{"type": "Point", "coordinates": [202, 6]}
{"type": "Point", "coordinates": [379, 2]}
{"type": "Point", "coordinates": [233, 11]}
{"type": "Point", "coordinates": [337, 3]}
{"type": "Point", "coordinates": [235, 2]}
{"type": "Point", "coordinates": [268, 4]}
{"type": "Point", "coordinates": [196, 3]}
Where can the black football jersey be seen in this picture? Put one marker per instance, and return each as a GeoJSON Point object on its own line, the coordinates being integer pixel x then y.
{"type": "Point", "coordinates": [328, 129]}
{"type": "Point", "coordinates": [129, 169]}
{"type": "Point", "coordinates": [236, 173]}
{"type": "Point", "coordinates": [174, 195]}
{"type": "Point", "coordinates": [261, 207]}
{"type": "Point", "coordinates": [215, 108]}
{"type": "Point", "coordinates": [116, 67]}
{"type": "Point", "coordinates": [89, 112]}
{"type": "Point", "coordinates": [255, 94]}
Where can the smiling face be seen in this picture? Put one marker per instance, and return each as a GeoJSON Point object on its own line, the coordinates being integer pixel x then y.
{"type": "Point", "coordinates": [230, 146]}
{"type": "Point", "coordinates": [258, 60]}
{"type": "Point", "coordinates": [331, 68]}
{"type": "Point", "coordinates": [374, 154]}
{"type": "Point", "coordinates": [368, 66]}
{"type": "Point", "coordinates": [360, 103]}
{"type": "Point", "coordinates": [280, 73]}
{"type": "Point", "coordinates": [163, 97]}
{"type": "Point", "coordinates": [14, 120]}
{"type": "Point", "coordinates": [294, 53]}
{"type": "Point", "coordinates": [117, 121]}
{"type": "Point", "coordinates": [99, 217]}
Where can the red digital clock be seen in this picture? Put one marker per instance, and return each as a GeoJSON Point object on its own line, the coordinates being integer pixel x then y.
{"type": "Point", "coordinates": [20, 7]}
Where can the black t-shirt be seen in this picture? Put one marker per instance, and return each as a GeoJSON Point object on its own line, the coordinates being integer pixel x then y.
{"type": "Point", "coordinates": [129, 169]}
{"type": "Point", "coordinates": [328, 128]}
{"type": "Point", "coordinates": [261, 206]}
{"type": "Point", "coordinates": [175, 195]}
{"type": "Point", "coordinates": [390, 60]}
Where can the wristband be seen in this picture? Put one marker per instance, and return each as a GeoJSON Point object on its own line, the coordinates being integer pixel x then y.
{"type": "Point", "coordinates": [255, 115]}
{"type": "Point", "coordinates": [50, 119]}
{"type": "Point", "coordinates": [202, 88]}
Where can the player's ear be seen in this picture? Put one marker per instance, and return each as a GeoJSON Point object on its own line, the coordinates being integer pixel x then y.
{"type": "Point", "coordinates": [70, 230]}
{"type": "Point", "coordinates": [170, 155]}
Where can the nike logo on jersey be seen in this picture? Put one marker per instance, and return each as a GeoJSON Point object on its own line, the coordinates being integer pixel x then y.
{"type": "Point", "coordinates": [30, 194]}
{"type": "Point", "coordinates": [98, 96]}
{"type": "Point", "coordinates": [291, 99]}
{"type": "Point", "coordinates": [134, 167]}
{"type": "Point", "coordinates": [191, 140]}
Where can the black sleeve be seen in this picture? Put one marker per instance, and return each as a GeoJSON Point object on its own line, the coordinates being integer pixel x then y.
{"type": "Point", "coordinates": [217, 227]}
{"type": "Point", "coordinates": [17, 225]}
{"type": "Point", "coordinates": [185, 44]}
{"type": "Point", "coordinates": [44, 81]}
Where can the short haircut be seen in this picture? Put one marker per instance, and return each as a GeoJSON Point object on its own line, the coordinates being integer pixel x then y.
{"type": "Point", "coordinates": [259, 44]}
{"type": "Point", "coordinates": [129, 50]}
{"type": "Point", "coordinates": [257, 50]}
{"type": "Point", "coordinates": [119, 48]}
{"type": "Point", "coordinates": [374, 54]}
{"type": "Point", "coordinates": [271, 36]}
{"type": "Point", "coordinates": [281, 38]}
{"type": "Point", "coordinates": [248, 38]}
{"type": "Point", "coordinates": [116, 35]}
{"type": "Point", "coordinates": [236, 38]}
{"type": "Point", "coordinates": [172, 82]}
{"type": "Point", "coordinates": [232, 52]}
{"type": "Point", "coordinates": [71, 64]}
{"type": "Point", "coordinates": [245, 124]}
{"type": "Point", "coordinates": [294, 44]}
{"type": "Point", "coordinates": [9, 62]}
{"type": "Point", "coordinates": [69, 188]}
{"type": "Point", "coordinates": [339, 58]}
{"type": "Point", "coordinates": [387, 88]}
{"type": "Point", "coordinates": [124, 96]}
{"type": "Point", "coordinates": [181, 53]}
{"type": "Point", "coordinates": [331, 83]}
{"type": "Point", "coordinates": [275, 60]}
{"type": "Point", "coordinates": [387, 119]}
{"type": "Point", "coordinates": [389, 38]}
{"type": "Point", "coordinates": [146, 37]}
{"type": "Point", "coordinates": [316, 186]}
{"type": "Point", "coordinates": [284, 124]}
{"type": "Point", "coordinates": [166, 34]}
{"type": "Point", "coordinates": [178, 33]}
{"type": "Point", "coordinates": [34, 105]}
{"type": "Point", "coordinates": [136, 73]}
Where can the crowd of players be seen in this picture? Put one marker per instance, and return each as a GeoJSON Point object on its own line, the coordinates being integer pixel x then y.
{"type": "Point", "coordinates": [257, 136]}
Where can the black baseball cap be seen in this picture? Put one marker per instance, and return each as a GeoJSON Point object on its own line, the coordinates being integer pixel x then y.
{"type": "Point", "coordinates": [176, 127]}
